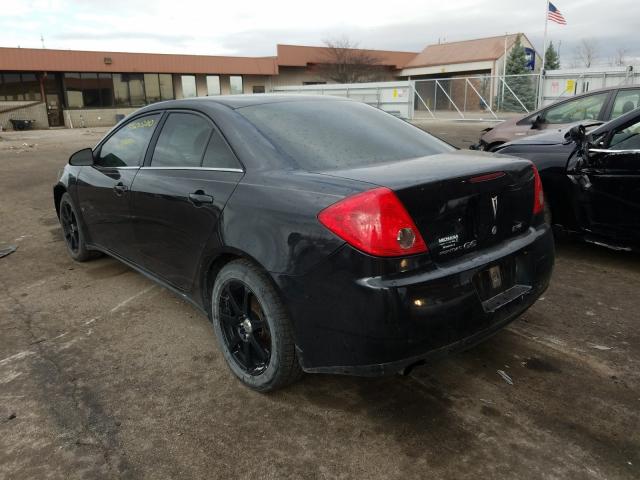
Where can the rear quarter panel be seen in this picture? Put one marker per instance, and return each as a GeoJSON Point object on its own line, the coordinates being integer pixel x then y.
{"type": "Point", "coordinates": [272, 217]}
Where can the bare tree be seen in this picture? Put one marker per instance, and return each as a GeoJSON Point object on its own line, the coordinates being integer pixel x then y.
{"type": "Point", "coordinates": [344, 62]}
{"type": "Point", "coordinates": [587, 52]}
{"type": "Point", "coordinates": [620, 58]}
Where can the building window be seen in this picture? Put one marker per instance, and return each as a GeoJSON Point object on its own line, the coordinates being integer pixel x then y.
{"type": "Point", "coordinates": [152, 87]}
{"type": "Point", "coordinates": [16, 86]}
{"type": "Point", "coordinates": [105, 85]}
{"type": "Point", "coordinates": [235, 81]}
{"type": "Point", "coordinates": [258, 89]}
{"type": "Point", "coordinates": [188, 86]}
{"type": "Point", "coordinates": [314, 83]}
{"type": "Point", "coordinates": [30, 86]}
{"type": "Point", "coordinates": [11, 86]}
{"type": "Point", "coordinates": [166, 86]}
{"type": "Point", "coordinates": [73, 88]}
{"type": "Point", "coordinates": [136, 89]}
{"type": "Point", "coordinates": [90, 90]}
{"type": "Point", "coordinates": [213, 85]}
{"type": "Point", "coordinates": [120, 90]}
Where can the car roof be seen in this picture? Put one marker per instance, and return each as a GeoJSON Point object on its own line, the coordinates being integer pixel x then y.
{"type": "Point", "coordinates": [245, 100]}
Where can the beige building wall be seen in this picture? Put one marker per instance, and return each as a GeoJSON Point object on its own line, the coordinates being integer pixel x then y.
{"type": "Point", "coordinates": [250, 81]}
{"type": "Point", "coordinates": [294, 76]}
{"type": "Point", "coordinates": [18, 110]}
{"type": "Point", "coordinates": [298, 76]}
{"type": "Point", "coordinates": [98, 117]}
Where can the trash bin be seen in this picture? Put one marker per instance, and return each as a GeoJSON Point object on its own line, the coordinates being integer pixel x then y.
{"type": "Point", "coordinates": [21, 124]}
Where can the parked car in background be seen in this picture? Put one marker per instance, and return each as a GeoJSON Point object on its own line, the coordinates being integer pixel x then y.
{"type": "Point", "coordinates": [602, 105]}
{"type": "Point", "coordinates": [318, 234]}
{"type": "Point", "coordinates": [591, 178]}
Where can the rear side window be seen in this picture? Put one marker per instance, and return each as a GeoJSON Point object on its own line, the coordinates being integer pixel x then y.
{"type": "Point", "coordinates": [182, 141]}
{"type": "Point", "coordinates": [218, 154]}
{"type": "Point", "coordinates": [626, 100]}
{"type": "Point", "coordinates": [127, 147]}
{"type": "Point", "coordinates": [322, 135]}
{"type": "Point", "coordinates": [585, 108]}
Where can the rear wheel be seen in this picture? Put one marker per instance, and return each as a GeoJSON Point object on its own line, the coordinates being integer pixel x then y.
{"type": "Point", "coordinates": [253, 329]}
{"type": "Point", "coordinates": [71, 231]}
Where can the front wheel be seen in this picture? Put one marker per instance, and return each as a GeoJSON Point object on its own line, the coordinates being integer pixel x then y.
{"type": "Point", "coordinates": [253, 329]}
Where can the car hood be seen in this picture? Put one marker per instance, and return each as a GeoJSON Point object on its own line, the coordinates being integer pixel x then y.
{"type": "Point", "coordinates": [552, 136]}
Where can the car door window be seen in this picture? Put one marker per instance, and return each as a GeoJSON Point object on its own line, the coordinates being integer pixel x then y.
{"type": "Point", "coordinates": [218, 154]}
{"type": "Point", "coordinates": [585, 108]}
{"type": "Point", "coordinates": [182, 141]}
{"type": "Point", "coordinates": [626, 138]}
{"type": "Point", "coordinates": [626, 100]}
{"type": "Point", "coordinates": [127, 147]}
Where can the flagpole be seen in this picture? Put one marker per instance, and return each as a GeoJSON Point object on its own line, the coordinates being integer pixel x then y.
{"type": "Point", "coordinates": [544, 54]}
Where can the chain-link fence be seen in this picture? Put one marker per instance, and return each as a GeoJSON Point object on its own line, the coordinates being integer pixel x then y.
{"type": "Point", "coordinates": [487, 97]}
{"type": "Point", "coordinates": [475, 96]}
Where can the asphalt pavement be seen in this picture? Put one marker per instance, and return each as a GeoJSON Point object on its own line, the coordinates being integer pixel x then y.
{"type": "Point", "coordinates": [104, 374]}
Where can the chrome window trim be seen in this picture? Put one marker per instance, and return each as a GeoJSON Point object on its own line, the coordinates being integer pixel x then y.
{"type": "Point", "coordinates": [237, 170]}
{"type": "Point", "coordinates": [605, 150]}
{"type": "Point", "coordinates": [118, 168]}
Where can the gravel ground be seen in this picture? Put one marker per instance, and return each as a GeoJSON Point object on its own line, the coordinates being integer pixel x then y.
{"type": "Point", "coordinates": [103, 374]}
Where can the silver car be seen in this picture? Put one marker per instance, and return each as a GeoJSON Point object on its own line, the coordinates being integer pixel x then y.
{"type": "Point", "coordinates": [599, 105]}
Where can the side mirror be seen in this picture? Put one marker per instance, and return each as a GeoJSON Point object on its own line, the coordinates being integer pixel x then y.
{"type": "Point", "coordinates": [82, 158]}
{"type": "Point", "coordinates": [577, 134]}
{"type": "Point", "coordinates": [537, 122]}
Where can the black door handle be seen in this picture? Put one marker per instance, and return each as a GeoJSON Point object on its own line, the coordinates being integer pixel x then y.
{"type": "Point", "coordinates": [120, 188]}
{"type": "Point", "coordinates": [199, 197]}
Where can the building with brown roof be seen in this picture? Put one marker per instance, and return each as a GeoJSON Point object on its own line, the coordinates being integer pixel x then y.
{"type": "Point", "coordinates": [477, 56]}
{"type": "Point", "coordinates": [89, 88]}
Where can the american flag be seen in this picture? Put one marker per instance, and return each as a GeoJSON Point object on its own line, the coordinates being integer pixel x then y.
{"type": "Point", "coordinates": [554, 15]}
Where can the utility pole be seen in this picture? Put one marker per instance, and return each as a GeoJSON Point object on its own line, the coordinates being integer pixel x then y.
{"type": "Point", "coordinates": [42, 41]}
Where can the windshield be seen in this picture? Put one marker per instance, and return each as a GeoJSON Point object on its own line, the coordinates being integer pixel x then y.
{"type": "Point", "coordinates": [326, 135]}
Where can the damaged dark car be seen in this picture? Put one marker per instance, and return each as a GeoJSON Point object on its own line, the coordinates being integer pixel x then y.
{"type": "Point", "coordinates": [317, 234]}
{"type": "Point", "coordinates": [591, 178]}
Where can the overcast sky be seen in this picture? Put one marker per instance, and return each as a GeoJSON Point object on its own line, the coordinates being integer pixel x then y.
{"type": "Point", "coordinates": [253, 28]}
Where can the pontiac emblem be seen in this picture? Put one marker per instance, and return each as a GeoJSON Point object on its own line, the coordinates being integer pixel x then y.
{"type": "Point", "coordinates": [494, 204]}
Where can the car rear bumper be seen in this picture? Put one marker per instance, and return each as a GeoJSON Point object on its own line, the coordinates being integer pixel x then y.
{"type": "Point", "coordinates": [375, 324]}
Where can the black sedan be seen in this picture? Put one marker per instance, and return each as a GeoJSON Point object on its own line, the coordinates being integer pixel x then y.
{"type": "Point", "coordinates": [591, 178]}
{"type": "Point", "coordinates": [317, 234]}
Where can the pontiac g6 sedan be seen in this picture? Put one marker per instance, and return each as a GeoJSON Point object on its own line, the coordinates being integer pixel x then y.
{"type": "Point", "coordinates": [317, 234]}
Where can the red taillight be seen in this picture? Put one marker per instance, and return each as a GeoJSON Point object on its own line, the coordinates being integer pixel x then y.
{"type": "Point", "coordinates": [538, 194]}
{"type": "Point", "coordinates": [374, 222]}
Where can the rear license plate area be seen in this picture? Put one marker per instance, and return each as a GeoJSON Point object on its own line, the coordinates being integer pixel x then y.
{"type": "Point", "coordinates": [495, 279]}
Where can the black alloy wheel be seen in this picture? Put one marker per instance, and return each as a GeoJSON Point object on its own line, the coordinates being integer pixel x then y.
{"type": "Point", "coordinates": [70, 227]}
{"type": "Point", "coordinates": [244, 328]}
{"type": "Point", "coordinates": [253, 327]}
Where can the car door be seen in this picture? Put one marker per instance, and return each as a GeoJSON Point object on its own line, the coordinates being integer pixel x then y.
{"type": "Point", "coordinates": [609, 180]}
{"type": "Point", "coordinates": [104, 188]}
{"type": "Point", "coordinates": [179, 195]}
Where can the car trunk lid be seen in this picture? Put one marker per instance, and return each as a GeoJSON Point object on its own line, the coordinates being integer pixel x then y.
{"type": "Point", "coordinates": [460, 201]}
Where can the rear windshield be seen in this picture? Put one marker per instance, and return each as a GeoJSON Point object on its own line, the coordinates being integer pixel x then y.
{"type": "Point", "coordinates": [325, 135]}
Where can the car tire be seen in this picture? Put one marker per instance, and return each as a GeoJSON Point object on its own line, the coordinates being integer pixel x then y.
{"type": "Point", "coordinates": [71, 232]}
{"type": "Point", "coordinates": [251, 324]}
